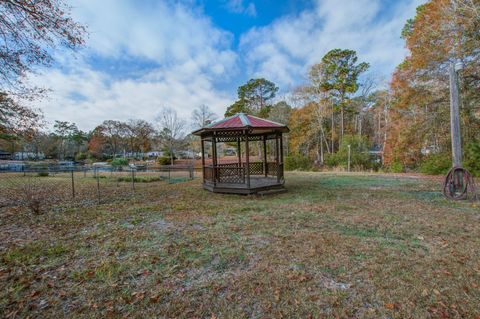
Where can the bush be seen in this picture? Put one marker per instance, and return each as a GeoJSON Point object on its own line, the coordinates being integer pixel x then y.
{"type": "Point", "coordinates": [119, 162]}
{"type": "Point", "coordinates": [435, 164]}
{"type": "Point", "coordinates": [164, 160]}
{"type": "Point", "coordinates": [81, 156]}
{"type": "Point", "coordinates": [396, 167]}
{"type": "Point", "coordinates": [297, 162]}
{"type": "Point", "coordinates": [359, 156]}
{"type": "Point", "coordinates": [43, 174]}
{"type": "Point", "coordinates": [141, 179]}
{"type": "Point", "coordinates": [472, 157]}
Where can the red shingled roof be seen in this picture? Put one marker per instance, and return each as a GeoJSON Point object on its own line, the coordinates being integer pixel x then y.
{"type": "Point", "coordinates": [229, 122]}
{"type": "Point", "coordinates": [242, 121]}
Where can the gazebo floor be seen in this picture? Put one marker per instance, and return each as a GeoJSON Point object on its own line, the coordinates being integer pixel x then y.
{"type": "Point", "coordinates": [257, 184]}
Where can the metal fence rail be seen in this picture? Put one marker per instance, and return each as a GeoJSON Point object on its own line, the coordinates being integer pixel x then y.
{"type": "Point", "coordinates": [41, 187]}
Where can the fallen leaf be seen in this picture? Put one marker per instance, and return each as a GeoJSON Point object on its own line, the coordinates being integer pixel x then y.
{"type": "Point", "coordinates": [390, 306]}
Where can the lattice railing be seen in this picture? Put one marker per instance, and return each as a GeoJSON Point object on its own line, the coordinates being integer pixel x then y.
{"type": "Point", "coordinates": [230, 175]}
{"type": "Point", "coordinates": [272, 169]}
{"type": "Point", "coordinates": [256, 168]}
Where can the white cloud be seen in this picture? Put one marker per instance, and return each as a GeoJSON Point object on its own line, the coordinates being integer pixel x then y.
{"type": "Point", "coordinates": [89, 97]}
{"type": "Point", "coordinates": [283, 50]}
{"type": "Point", "coordinates": [186, 55]}
{"type": "Point", "coordinates": [175, 56]}
{"type": "Point", "coordinates": [238, 6]}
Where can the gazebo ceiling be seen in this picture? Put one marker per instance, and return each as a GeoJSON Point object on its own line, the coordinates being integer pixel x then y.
{"type": "Point", "coordinates": [242, 121]}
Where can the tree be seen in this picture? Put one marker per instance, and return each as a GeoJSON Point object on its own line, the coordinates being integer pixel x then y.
{"type": "Point", "coordinates": [337, 75]}
{"type": "Point", "coordinates": [171, 131]}
{"type": "Point", "coordinates": [202, 116]}
{"type": "Point", "coordinates": [66, 132]}
{"type": "Point", "coordinates": [142, 133]}
{"type": "Point", "coordinates": [30, 31]}
{"type": "Point", "coordinates": [280, 112]}
{"type": "Point", "coordinates": [442, 32]}
{"type": "Point", "coordinates": [114, 133]}
{"type": "Point", "coordinates": [254, 98]}
{"type": "Point", "coordinates": [16, 119]}
{"type": "Point", "coordinates": [96, 143]}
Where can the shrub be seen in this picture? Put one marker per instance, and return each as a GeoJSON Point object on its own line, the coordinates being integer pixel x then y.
{"type": "Point", "coordinates": [472, 157]}
{"type": "Point", "coordinates": [359, 156]}
{"type": "Point", "coordinates": [435, 164]}
{"type": "Point", "coordinates": [42, 174]}
{"type": "Point", "coordinates": [81, 156]}
{"type": "Point", "coordinates": [119, 162]}
{"type": "Point", "coordinates": [164, 160]}
{"type": "Point", "coordinates": [396, 167]}
{"type": "Point", "coordinates": [141, 179]}
{"type": "Point", "coordinates": [297, 162]}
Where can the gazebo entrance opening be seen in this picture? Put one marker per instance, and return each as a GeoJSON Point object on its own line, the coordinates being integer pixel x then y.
{"type": "Point", "coordinates": [242, 154]}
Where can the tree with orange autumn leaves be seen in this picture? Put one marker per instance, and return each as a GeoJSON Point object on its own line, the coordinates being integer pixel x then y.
{"type": "Point", "coordinates": [442, 32]}
{"type": "Point", "coordinates": [409, 121]}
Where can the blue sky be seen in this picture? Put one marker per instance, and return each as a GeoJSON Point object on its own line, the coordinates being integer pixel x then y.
{"type": "Point", "coordinates": [142, 56]}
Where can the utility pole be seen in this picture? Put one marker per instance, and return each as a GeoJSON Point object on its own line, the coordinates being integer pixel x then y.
{"type": "Point", "coordinates": [455, 115]}
{"type": "Point", "coordinates": [455, 66]}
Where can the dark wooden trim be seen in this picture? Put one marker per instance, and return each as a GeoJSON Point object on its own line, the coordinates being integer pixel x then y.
{"type": "Point", "coordinates": [239, 152]}
{"type": "Point", "coordinates": [245, 191]}
{"type": "Point", "coordinates": [214, 159]}
{"type": "Point", "coordinates": [277, 158]}
{"type": "Point", "coordinates": [247, 159]}
{"type": "Point", "coordinates": [265, 166]}
{"type": "Point", "coordinates": [280, 167]}
{"type": "Point", "coordinates": [203, 159]}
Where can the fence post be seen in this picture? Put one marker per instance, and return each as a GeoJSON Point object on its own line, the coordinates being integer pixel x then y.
{"type": "Point", "coordinates": [98, 186]}
{"type": "Point", "coordinates": [168, 175]}
{"type": "Point", "coordinates": [73, 184]}
{"type": "Point", "coordinates": [133, 180]}
{"type": "Point", "coordinates": [84, 171]}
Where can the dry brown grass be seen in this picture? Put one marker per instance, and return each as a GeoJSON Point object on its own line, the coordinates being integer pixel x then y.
{"type": "Point", "coordinates": [336, 245]}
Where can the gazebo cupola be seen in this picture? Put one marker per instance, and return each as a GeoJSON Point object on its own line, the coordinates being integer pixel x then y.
{"type": "Point", "coordinates": [242, 154]}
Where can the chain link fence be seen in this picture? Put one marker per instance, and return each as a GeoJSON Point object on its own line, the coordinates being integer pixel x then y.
{"type": "Point", "coordinates": [40, 188]}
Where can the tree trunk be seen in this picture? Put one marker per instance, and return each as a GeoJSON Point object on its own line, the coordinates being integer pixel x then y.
{"type": "Point", "coordinates": [385, 130]}
{"type": "Point", "coordinates": [342, 119]}
{"type": "Point", "coordinates": [333, 130]}
{"type": "Point", "coordinates": [321, 148]}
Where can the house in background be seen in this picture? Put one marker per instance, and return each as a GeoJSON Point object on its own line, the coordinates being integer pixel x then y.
{"type": "Point", "coordinates": [5, 155]}
{"type": "Point", "coordinates": [28, 156]}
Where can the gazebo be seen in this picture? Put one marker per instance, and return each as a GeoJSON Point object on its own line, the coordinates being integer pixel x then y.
{"type": "Point", "coordinates": [254, 162]}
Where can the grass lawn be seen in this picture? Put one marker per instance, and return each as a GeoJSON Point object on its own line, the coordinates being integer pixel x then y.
{"type": "Point", "coordinates": [346, 245]}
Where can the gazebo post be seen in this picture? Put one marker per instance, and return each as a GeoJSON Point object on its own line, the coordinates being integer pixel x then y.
{"type": "Point", "coordinates": [214, 160]}
{"type": "Point", "coordinates": [265, 166]}
{"type": "Point", "coordinates": [239, 153]}
{"type": "Point", "coordinates": [203, 158]}
{"type": "Point", "coordinates": [247, 159]}
{"type": "Point", "coordinates": [277, 157]}
{"type": "Point", "coordinates": [281, 155]}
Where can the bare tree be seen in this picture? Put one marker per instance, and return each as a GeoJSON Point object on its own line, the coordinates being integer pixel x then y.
{"type": "Point", "coordinates": [29, 30]}
{"type": "Point", "coordinates": [202, 116]}
{"type": "Point", "coordinates": [15, 118]}
{"type": "Point", "coordinates": [172, 130]}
